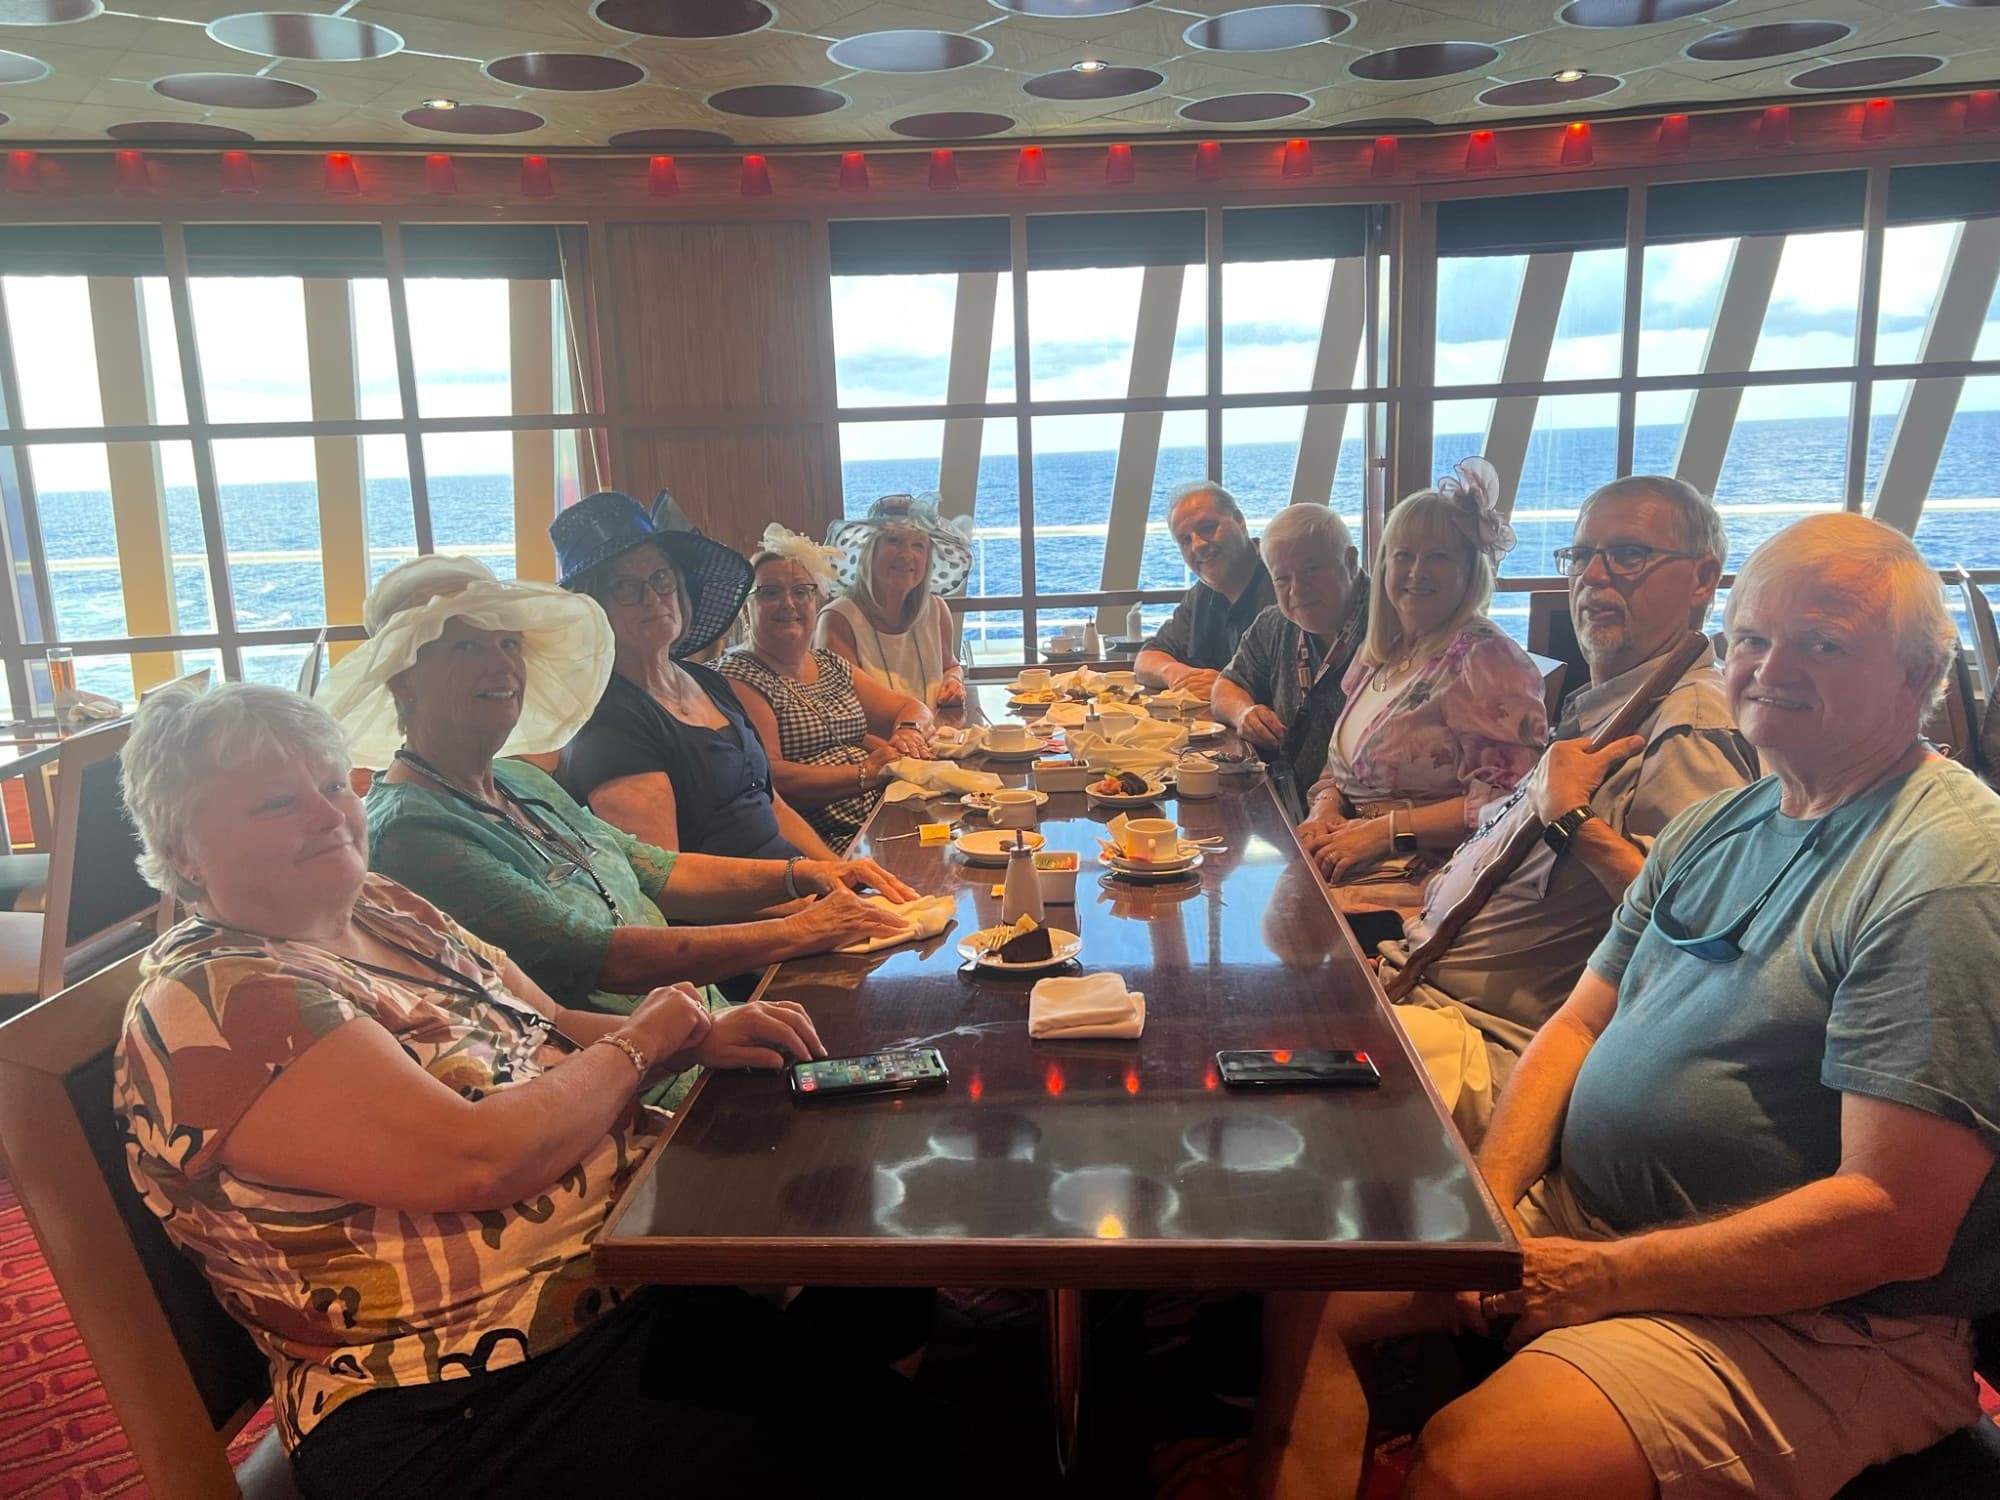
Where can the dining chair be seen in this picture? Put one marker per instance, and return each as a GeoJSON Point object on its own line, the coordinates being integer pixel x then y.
{"type": "Point", "coordinates": [95, 907]}
{"type": "Point", "coordinates": [181, 1374]}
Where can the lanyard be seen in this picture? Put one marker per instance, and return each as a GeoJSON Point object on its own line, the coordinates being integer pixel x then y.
{"type": "Point", "coordinates": [566, 855]}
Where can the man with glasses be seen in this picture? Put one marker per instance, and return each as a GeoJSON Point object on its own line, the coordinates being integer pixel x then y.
{"type": "Point", "coordinates": [1643, 567]}
{"type": "Point", "coordinates": [1751, 1158]}
{"type": "Point", "coordinates": [1232, 589]}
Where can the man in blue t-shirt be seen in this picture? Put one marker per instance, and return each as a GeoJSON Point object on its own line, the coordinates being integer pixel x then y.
{"type": "Point", "coordinates": [1751, 1159]}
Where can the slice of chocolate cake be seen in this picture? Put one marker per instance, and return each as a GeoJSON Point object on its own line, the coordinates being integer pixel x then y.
{"type": "Point", "coordinates": [1027, 947]}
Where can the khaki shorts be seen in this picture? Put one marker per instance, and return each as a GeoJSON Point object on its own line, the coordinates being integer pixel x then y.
{"type": "Point", "coordinates": [1791, 1406]}
{"type": "Point", "coordinates": [1458, 1058]}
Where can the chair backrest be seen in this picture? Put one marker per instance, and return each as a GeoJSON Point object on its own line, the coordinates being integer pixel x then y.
{"type": "Point", "coordinates": [182, 1375]}
{"type": "Point", "coordinates": [1552, 633]}
{"type": "Point", "coordinates": [1985, 634]}
{"type": "Point", "coordinates": [1555, 681]}
{"type": "Point", "coordinates": [198, 680]}
{"type": "Point", "coordinates": [98, 907]}
{"type": "Point", "coordinates": [1951, 724]}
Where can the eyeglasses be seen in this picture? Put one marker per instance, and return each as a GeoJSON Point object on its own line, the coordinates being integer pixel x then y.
{"type": "Point", "coordinates": [1725, 945]}
{"type": "Point", "coordinates": [1621, 559]}
{"type": "Point", "coordinates": [630, 591]}
{"type": "Point", "coordinates": [772, 593]}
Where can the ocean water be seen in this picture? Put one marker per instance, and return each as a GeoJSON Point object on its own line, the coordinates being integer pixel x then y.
{"type": "Point", "coordinates": [1774, 472]}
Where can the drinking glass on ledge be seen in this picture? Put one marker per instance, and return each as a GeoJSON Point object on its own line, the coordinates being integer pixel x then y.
{"type": "Point", "coordinates": [62, 685]}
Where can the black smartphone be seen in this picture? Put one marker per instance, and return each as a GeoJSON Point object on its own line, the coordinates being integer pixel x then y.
{"type": "Point", "coordinates": [876, 1073]}
{"type": "Point", "coordinates": [1298, 1069]}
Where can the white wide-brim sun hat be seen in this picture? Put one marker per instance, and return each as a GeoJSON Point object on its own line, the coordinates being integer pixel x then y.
{"type": "Point", "coordinates": [566, 647]}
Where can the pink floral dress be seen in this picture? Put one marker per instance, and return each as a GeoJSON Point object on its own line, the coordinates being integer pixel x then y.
{"type": "Point", "coordinates": [1471, 723]}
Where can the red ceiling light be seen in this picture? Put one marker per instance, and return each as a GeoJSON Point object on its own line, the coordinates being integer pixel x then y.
{"type": "Point", "coordinates": [853, 172]}
{"type": "Point", "coordinates": [1118, 167]}
{"type": "Point", "coordinates": [755, 181]}
{"type": "Point", "coordinates": [1298, 160]}
{"type": "Point", "coordinates": [944, 171]}
{"type": "Point", "coordinates": [1878, 119]}
{"type": "Point", "coordinates": [663, 178]}
{"type": "Point", "coordinates": [440, 175]}
{"type": "Point", "coordinates": [1576, 150]}
{"type": "Point", "coordinates": [1675, 134]}
{"type": "Point", "coordinates": [1033, 169]}
{"type": "Point", "coordinates": [23, 175]}
{"type": "Point", "coordinates": [1383, 160]}
{"type": "Point", "coordinates": [340, 177]}
{"type": "Point", "coordinates": [239, 173]}
{"type": "Point", "coordinates": [538, 179]}
{"type": "Point", "coordinates": [1208, 162]}
{"type": "Point", "coordinates": [1982, 109]}
{"type": "Point", "coordinates": [129, 174]}
{"type": "Point", "coordinates": [1774, 127]}
{"type": "Point", "coordinates": [1482, 151]}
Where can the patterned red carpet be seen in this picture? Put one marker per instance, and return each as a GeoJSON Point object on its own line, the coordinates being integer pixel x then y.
{"type": "Point", "coordinates": [58, 1436]}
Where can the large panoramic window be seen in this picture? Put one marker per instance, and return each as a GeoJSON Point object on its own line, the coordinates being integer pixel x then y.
{"type": "Point", "coordinates": [1056, 405]}
{"type": "Point", "coordinates": [153, 542]}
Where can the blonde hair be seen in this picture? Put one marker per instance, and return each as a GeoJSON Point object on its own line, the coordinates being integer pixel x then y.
{"type": "Point", "coordinates": [1425, 517]}
{"type": "Point", "coordinates": [1864, 559]}
{"type": "Point", "coordinates": [862, 590]}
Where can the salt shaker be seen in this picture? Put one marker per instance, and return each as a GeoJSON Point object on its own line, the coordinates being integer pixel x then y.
{"type": "Point", "coordinates": [1021, 893]}
{"type": "Point", "coordinates": [1093, 648]}
{"type": "Point", "coordinates": [1135, 624]}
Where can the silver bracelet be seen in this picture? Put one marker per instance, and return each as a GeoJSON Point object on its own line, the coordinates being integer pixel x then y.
{"type": "Point", "coordinates": [791, 880]}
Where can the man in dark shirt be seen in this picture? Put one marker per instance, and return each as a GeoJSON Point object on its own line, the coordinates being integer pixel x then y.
{"type": "Point", "coordinates": [1234, 588]}
{"type": "Point", "coordinates": [1282, 690]}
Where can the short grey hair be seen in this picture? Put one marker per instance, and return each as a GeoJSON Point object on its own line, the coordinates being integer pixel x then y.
{"type": "Point", "coordinates": [1862, 556]}
{"type": "Point", "coordinates": [1308, 523]}
{"type": "Point", "coordinates": [182, 738]}
{"type": "Point", "coordinates": [1701, 528]}
{"type": "Point", "coordinates": [1224, 501]}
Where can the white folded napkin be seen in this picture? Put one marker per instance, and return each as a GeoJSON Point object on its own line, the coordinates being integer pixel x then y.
{"type": "Point", "coordinates": [958, 744]}
{"type": "Point", "coordinates": [929, 778]}
{"type": "Point", "coordinates": [1083, 679]}
{"type": "Point", "coordinates": [924, 917]}
{"type": "Point", "coordinates": [1094, 1005]}
{"type": "Point", "coordinates": [1180, 698]}
{"type": "Point", "coordinates": [1124, 754]}
{"type": "Point", "coordinates": [1060, 716]}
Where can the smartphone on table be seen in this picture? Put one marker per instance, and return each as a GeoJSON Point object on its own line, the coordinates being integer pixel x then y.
{"type": "Point", "coordinates": [892, 1072]}
{"type": "Point", "coordinates": [1300, 1068]}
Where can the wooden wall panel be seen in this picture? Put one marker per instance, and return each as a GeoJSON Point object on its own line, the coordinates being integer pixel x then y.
{"type": "Point", "coordinates": [733, 483]}
{"type": "Point", "coordinates": [711, 318]}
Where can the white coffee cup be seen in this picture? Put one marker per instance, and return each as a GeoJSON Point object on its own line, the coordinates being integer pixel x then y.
{"type": "Point", "coordinates": [1197, 776]}
{"type": "Point", "coordinates": [1008, 734]}
{"type": "Point", "coordinates": [1152, 838]}
{"type": "Point", "coordinates": [1071, 636]}
{"type": "Point", "coordinates": [1033, 678]}
{"type": "Point", "coordinates": [1012, 807]}
{"type": "Point", "coordinates": [1125, 680]}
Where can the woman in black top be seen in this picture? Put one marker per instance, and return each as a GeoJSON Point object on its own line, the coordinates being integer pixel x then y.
{"type": "Point", "coordinates": [668, 756]}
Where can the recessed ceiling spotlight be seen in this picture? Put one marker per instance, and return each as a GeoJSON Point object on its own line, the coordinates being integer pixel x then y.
{"type": "Point", "coordinates": [1570, 75]}
{"type": "Point", "coordinates": [1089, 65]}
{"type": "Point", "coordinates": [440, 103]}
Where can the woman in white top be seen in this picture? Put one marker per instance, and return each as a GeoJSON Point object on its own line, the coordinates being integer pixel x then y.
{"type": "Point", "coordinates": [891, 621]}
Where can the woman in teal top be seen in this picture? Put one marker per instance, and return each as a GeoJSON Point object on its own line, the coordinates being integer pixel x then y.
{"type": "Point", "coordinates": [461, 668]}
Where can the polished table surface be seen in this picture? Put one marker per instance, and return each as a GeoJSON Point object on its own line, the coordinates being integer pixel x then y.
{"type": "Point", "coordinates": [1083, 1163]}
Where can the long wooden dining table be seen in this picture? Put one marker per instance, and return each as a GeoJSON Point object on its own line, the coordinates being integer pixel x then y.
{"type": "Point", "coordinates": [1080, 1164]}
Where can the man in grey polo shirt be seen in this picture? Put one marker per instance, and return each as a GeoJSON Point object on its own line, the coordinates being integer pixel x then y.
{"type": "Point", "coordinates": [1643, 566]}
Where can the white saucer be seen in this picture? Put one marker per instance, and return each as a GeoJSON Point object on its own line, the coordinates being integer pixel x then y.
{"type": "Point", "coordinates": [1029, 751]}
{"type": "Point", "coordinates": [1155, 790]}
{"type": "Point", "coordinates": [1064, 945]}
{"type": "Point", "coordinates": [981, 801]}
{"type": "Point", "coordinates": [1151, 871]}
{"type": "Point", "coordinates": [989, 846]}
{"type": "Point", "coordinates": [1144, 869]}
{"type": "Point", "coordinates": [1015, 702]}
{"type": "Point", "coordinates": [1205, 729]}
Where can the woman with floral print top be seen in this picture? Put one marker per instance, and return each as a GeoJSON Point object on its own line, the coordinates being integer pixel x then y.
{"type": "Point", "coordinates": [1444, 713]}
{"type": "Point", "coordinates": [389, 1150]}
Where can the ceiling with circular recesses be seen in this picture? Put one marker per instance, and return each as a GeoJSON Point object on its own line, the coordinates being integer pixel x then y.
{"type": "Point", "coordinates": [723, 75]}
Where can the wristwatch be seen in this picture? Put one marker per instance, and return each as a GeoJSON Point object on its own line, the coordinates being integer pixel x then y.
{"type": "Point", "coordinates": [1402, 836]}
{"type": "Point", "coordinates": [1557, 833]}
